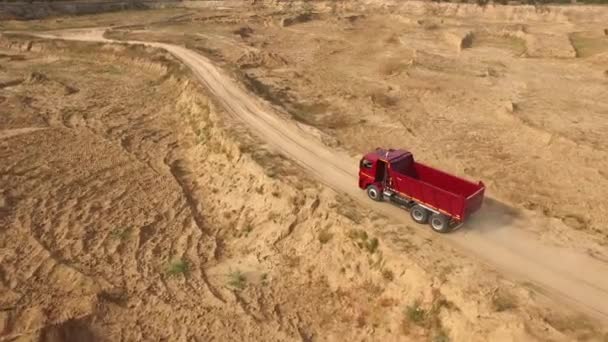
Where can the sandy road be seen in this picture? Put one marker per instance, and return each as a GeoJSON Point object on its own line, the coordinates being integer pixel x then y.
{"type": "Point", "coordinates": [494, 235]}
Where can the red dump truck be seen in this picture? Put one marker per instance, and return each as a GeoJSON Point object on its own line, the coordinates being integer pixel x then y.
{"type": "Point", "coordinates": [432, 196]}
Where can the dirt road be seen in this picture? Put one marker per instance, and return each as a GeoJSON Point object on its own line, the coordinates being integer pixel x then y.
{"type": "Point", "coordinates": [495, 235]}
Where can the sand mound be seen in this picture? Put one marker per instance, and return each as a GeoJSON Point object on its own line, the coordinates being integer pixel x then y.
{"type": "Point", "coordinates": [459, 39]}
{"type": "Point", "coordinates": [10, 83]}
{"type": "Point", "coordinates": [255, 59]}
{"type": "Point", "coordinates": [296, 19]}
{"type": "Point", "coordinates": [36, 77]}
{"type": "Point", "coordinates": [519, 13]}
{"type": "Point", "coordinates": [244, 32]}
{"type": "Point", "coordinates": [72, 330]}
{"type": "Point", "coordinates": [547, 45]}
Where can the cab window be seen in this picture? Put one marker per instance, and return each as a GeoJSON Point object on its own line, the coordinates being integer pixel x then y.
{"type": "Point", "coordinates": [366, 164]}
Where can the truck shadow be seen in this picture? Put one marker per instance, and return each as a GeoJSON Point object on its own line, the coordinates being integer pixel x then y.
{"type": "Point", "coordinates": [493, 215]}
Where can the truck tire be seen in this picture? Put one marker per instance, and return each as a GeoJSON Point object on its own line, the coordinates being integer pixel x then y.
{"type": "Point", "coordinates": [419, 214]}
{"type": "Point", "coordinates": [374, 193]}
{"type": "Point", "coordinates": [440, 223]}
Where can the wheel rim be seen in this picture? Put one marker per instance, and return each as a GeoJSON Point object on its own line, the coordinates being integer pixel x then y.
{"type": "Point", "coordinates": [437, 224]}
{"type": "Point", "coordinates": [373, 194]}
{"type": "Point", "coordinates": [418, 215]}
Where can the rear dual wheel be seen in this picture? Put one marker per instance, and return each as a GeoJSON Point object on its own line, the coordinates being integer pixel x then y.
{"type": "Point", "coordinates": [419, 214]}
{"type": "Point", "coordinates": [440, 223]}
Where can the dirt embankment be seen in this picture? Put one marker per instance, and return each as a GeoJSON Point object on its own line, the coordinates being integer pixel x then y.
{"type": "Point", "coordinates": [42, 9]}
{"type": "Point", "coordinates": [129, 211]}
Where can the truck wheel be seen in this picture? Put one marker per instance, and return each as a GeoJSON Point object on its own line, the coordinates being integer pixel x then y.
{"type": "Point", "coordinates": [419, 214]}
{"type": "Point", "coordinates": [440, 223]}
{"type": "Point", "coordinates": [374, 193]}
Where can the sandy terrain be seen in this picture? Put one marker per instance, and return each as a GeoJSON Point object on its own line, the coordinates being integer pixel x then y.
{"type": "Point", "coordinates": [201, 259]}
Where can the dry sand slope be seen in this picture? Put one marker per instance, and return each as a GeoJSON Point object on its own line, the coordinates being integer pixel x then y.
{"type": "Point", "coordinates": [117, 221]}
{"type": "Point", "coordinates": [493, 235]}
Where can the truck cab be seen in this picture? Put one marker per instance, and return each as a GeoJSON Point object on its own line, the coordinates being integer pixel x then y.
{"type": "Point", "coordinates": [374, 166]}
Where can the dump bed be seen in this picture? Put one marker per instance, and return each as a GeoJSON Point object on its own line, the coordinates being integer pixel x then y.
{"type": "Point", "coordinates": [436, 189]}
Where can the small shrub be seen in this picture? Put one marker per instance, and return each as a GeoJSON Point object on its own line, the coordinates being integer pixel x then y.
{"type": "Point", "coordinates": [325, 236]}
{"type": "Point", "coordinates": [362, 241]}
{"type": "Point", "coordinates": [178, 267]}
{"type": "Point", "coordinates": [273, 216]}
{"type": "Point", "coordinates": [388, 274]}
{"type": "Point", "coordinates": [361, 321]}
{"type": "Point", "coordinates": [292, 261]}
{"type": "Point", "coordinates": [121, 234]}
{"type": "Point", "coordinates": [264, 279]}
{"type": "Point", "coordinates": [244, 32]}
{"type": "Point", "coordinates": [387, 302]}
{"type": "Point", "coordinates": [415, 313]}
{"type": "Point", "coordinates": [393, 67]}
{"type": "Point", "coordinates": [371, 288]}
{"type": "Point", "coordinates": [503, 301]}
{"type": "Point", "coordinates": [372, 245]}
{"type": "Point", "coordinates": [307, 8]}
{"type": "Point", "coordinates": [441, 336]}
{"type": "Point", "coordinates": [237, 280]}
{"type": "Point", "coordinates": [383, 100]}
{"type": "Point", "coordinates": [248, 229]}
{"type": "Point", "coordinates": [357, 234]}
{"type": "Point", "coordinates": [392, 39]}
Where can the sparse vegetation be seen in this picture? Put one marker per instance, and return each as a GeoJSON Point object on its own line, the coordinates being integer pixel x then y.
{"type": "Point", "coordinates": [393, 67]}
{"type": "Point", "coordinates": [381, 99]}
{"type": "Point", "coordinates": [348, 209]}
{"type": "Point", "coordinates": [273, 216]}
{"type": "Point", "coordinates": [503, 301]}
{"type": "Point", "coordinates": [357, 234]}
{"type": "Point", "coordinates": [178, 267]}
{"type": "Point", "coordinates": [121, 234]}
{"type": "Point", "coordinates": [372, 288]}
{"type": "Point", "coordinates": [388, 274]}
{"type": "Point", "coordinates": [372, 245]}
{"type": "Point", "coordinates": [237, 280]}
{"type": "Point", "coordinates": [588, 43]}
{"type": "Point", "coordinates": [292, 260]}
{"type": "Point", "coordinates": [415, 313]}
{"type": "Point", "coordinates": [307, 8]}
{"type": "Point", "coordinates": [361, 239]}
{"type": "Point", "coordinates": [441, 336]}
{"type": "Point", "coordinates": [248, 228]}
{"type": "Point", "coordinates": [324, 236]}
{"type": "Point", "coordinates": [243, 32]}
{"type": "Point", "coordinates": [429, 318]}
{"type": "Point", "coordinates": [387, 302]}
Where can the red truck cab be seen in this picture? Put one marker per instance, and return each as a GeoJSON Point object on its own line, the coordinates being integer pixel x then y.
{"type": "Point", "coordinates": [431, 195]}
